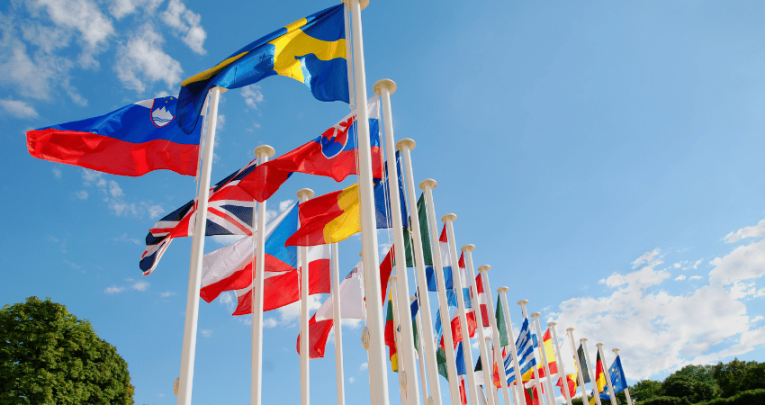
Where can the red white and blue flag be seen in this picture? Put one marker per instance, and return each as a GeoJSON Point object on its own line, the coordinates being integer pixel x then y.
{"type": "Point", "coordinates": [229, 213]}
{"type": "Point", "coordinates": [130, 141]}
{"type": "Point", "coordinates": [333, 154]}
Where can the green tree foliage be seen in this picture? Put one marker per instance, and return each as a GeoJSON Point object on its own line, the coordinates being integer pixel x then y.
{"type": "Point", "coordinates": [679, 385]}
{"type": "Point", "coordinates": [645, 390]}
{"type": "Point", "coordinates": [48, 356]}
{"type": "Point", "coordinates": [737, 376]}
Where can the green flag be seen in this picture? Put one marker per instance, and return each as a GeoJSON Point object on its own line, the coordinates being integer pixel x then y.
{"type": "Point", "coordinates": [503, 341]}
{"type": "Point", "coordinates": [416, 336]}
{"type": "Point", "coordinates": [422, 214]}
{"type": "Point", "coordinates": [441, 360]}
{"type": "Point", "coordinates": [583, 364]}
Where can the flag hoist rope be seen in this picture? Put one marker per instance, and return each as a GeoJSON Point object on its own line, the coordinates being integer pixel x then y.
{"type": "Point", "coordinates": [188, 353]}
{"type": "Point", "coordinates": [458, 288]}
{"type": "Point", "coordinates": [263, 153]}
{"type": "Point", "coordinates": [498, 360]}
{"type": "Point", "coordinates": [384, 88]}
{"type": "Point", "coordinates": [406, 146]}
{"type": "Point", "coordinates": [304, 194]}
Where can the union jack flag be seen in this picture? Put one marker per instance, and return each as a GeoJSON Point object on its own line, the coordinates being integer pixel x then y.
{"type": "Point", "coordinates": [229, 213]}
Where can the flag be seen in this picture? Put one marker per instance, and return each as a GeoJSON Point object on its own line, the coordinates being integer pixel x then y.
{"type": "Point", "coordinates": [583, 364]}
{"type": "Point", "coordinates": [482, 400]}
{"type": "Point", "coordinates": [600, 375]}
{"type": "Point", "coordinates": [482, 301]}
{"type": "Point", "coordinates": [525, 345]}
{"type": "Point", "coordinates": [461, 372]}
{"type": "Point", "coordinates": [618, 381]}
{"type": "Point", "coordinates": [478, 372]}
{"type": "Point", "coordinates": [351, 293]}
{"type": "Point", "coordinates": [457, 327]}
{"type": "Point", "coordinates": [465, 280]}
{"type": "Point", "coordinates": [230, 268]}
{"type": "Point", "coordinates": [571, 383]}
{"type": "Point", "coordinates": [130, 141]}
{"type": "Point", "coordinates": [332, 154]}
{"type": "Point", "coordinates": [281, 289]}
{"type": "Point", "coordinates": [414, 308]}
{"type": "Point", "coordinates": [441, 361]}
{"type": "Point", "coordinates": [390, 335]}
{"type": "Point", "coordinates": [422, 215]}
{"type": "Point", "coordinates": [310, 50]}
{"type": "Point", "coordinates": [532, 396]}
{"type": "Point", "coordinates": [501, 325]}
{"type": "Point", "coordinates": [552, 365]}
{"type": "Point", "coordinates": [229, 212]}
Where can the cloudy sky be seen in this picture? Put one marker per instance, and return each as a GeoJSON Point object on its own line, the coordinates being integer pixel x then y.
{"type": "Point", "coordinates": [605, 158]}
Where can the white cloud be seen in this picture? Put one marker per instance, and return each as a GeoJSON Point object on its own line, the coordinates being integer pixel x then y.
{"type": "Point", "coordinates": [206, 333]}
{"type": "Point", "coordinates": [167, 294]}
{"type": "Point", "coordinates": [124, 238]}
{"type": "Point", "coordinates": [17, 109]}
{"type": "Point", "coordinates": [155, 211]}
{"type": "Point", "coordinates": [290, 313]}
{"type": "Point", "coordinates": [121, 8]}
{"type": "Point", "coordinates": [226, 239]}
{"type": "Point", "coordinates": [114, 290]}
{"type": "Point", "coordinates": [220, 122]}
{"type": "Point", "coordinates": [364, 367]}
{"type": "Point", "coordinates": [270, 323]}
{"type": "Point", "coordinates": [187, 25]}
{"type": "Point", "coordinates": [57, 173]}
{"type": "Point", "coordinates": [252, 96]}
{"type": "Point", "coordinates": [228, 299]}
{"type": "Point", "coordinates": [81, 15]}
{"type": "Point", "coordinates": [696, 277]}
{"type": "Point", "coordinates": [114, 189]}
{"type": "Point", "coordinates": [743, 263]}
{"type": "Point", "coordinates": [645, 258]}
{"type": "Point", "coordinates": [285, 204]}
{"type": "Point", "coordinates": [680, 277]}
{"type": "Point", "coordinates": [756, 231]}
{"type": "Point", "coordinates": [140, 285]}
{"type": "Point", "coordinates": [352, 380]}
{"type": "Point", "coordinates": [142, 60]}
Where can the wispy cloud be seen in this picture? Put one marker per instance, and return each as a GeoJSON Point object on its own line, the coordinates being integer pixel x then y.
{"type": "Point", "coordinates": [57, 173]}
{"type": "Point", "coordinates": [252, 96]}
{"type": "Point", "coordinates": [142, 60]}
{"type": "Point", "coordinates": [17, 109]}
{"type": "Point", "coordinates": [187, 25]}
{"type": "Point", "coordinates": [206, 333]}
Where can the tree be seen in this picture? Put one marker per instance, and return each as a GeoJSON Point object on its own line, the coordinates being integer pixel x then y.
{"type": "Point", "coordinates": [737, 376]}
{"type": "Point", "coordinates": [645, 390]}
{"type": "Point", "coordinates": [48, 356]}
{"type": "Point", "coordinates": [683, 386]}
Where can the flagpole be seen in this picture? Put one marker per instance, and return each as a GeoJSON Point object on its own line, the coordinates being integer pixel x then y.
{"type": "Point", "coordinates": [457, 280]}
{"type": "Point", "coordinates": [397, 338]}
{"type": "Point", "coordinates": [497, 343]}
{"type": "Point", "coordinates": [562, 367]}
{"type": "Point", "coordinates": [607, 373]}
{"type": "Point", "coordinates": [626, 389]}
{"type": "Point", "coordinates": [593, 376]}
{"type": "Point", "coordinates": [468, 250]}
{"type": "Point", "coordinates": [523, 303]}
{"type": "Point", "coordinates": [338, 327]}
{"type": "Point", "coordinates": [513, 349]}
{"type": "Point", "coordinates": [304, 194]}
{"type": "Point", "coordinates": [406, 146]}
{"type": "Point", "coordinates": [378, 376]}
{"type": "Point", "coordinates": [578, 366]}
{"type": "Point", "coordinates": [490, 381]}
{"type": "Point", "coordinates": [188, 353]}
{"type": "Point", "coordinates": [263, 153]}
{"type": "Point", "coordinates": [427, 187]}
{"type": "Point", "coordinates": [423, 373]}
{"type": "Point", "coordinates": [543, 351]}
{"type": "Point", "coordinates": [384, 88]}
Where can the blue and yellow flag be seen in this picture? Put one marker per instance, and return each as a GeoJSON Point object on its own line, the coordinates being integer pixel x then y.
{"type": "Point", "coordinates": [311, 50]}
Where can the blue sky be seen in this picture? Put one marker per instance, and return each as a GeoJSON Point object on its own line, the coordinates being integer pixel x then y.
{"type": "Point", "coordinates": [605, 159]}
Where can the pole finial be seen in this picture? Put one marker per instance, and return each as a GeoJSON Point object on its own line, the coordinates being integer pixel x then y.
{"type": "Point", "coordinates": [551, 324]}
{"type": "Point", "coordinates": [449, 218]}
{"type": "Point", "coordinates": [392, 279]}
{"type": "Point", "coordinates": [305, 194]}
{"type": "Point", "coordinates": [536, 314]}
{"type": "Point", "coordinates": [468, 248]}
{"type": "Point", "coordinates": [523, 302]}
{"type": "Point", "coordinates": [407, 143]}
{"type": "Point", "coordinates": [599, 344]}
{"type": "Point", "coordinates": [485, 267]}
{"type": "Point", "coordinates": [412, 298]}
{"type": "Point", "coordinates": [503, 289]}
{"type": "Point", "coordinates": [269, 151]}
{"type": "Point", "coordinates": [583, 340]}
{"type": "Point", "coordinates": [428, 183]}
{"type": "Point", "coordinates": [362, 3]}
{"type": "Point", "coordinates": [569, 329]}
{"type": "Point", "coordinates": [615, 350]}
{"type": "Point", "coordinates": [384, 84]}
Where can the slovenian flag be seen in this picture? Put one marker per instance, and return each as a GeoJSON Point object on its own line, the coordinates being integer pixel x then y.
{"type": "Point", "coordinates": [130, 141]}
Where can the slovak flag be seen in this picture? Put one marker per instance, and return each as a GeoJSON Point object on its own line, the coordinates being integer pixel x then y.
{"type": "Point", "coordinates": [333, 154]}
{"type": "Point", "coordinates": [130, 141]}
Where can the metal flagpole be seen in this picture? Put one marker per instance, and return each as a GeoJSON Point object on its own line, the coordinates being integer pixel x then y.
{"type": "Point", "coordinates": [543, 351]}
{"type": "Point", "coordinates": [263, 153]}
{"type": "Point", "coordinates": [457, 280]}
{"type": "Point", "coordinates": [468, 250]}
{"type": "Point", "coordinates": [578, 366]}
{"type": "Point", "coordinates": [561, 366]}
{"type": "Point", "coordinates": [338, 327]}
{"type": "Point", "coordinates": [523, 303]}
{"type": "Point", "coordinates": [607, 373]}
{"type": "Point", "coordinates": [490, 381]}
{"type": "Point", "coordinates": [188, 353]}
{"type": "Point", "coordinates": [304, 194]}
{"type": "Point", "coordinates": [427, 187]}
{"type": "Point", "coordinates": [406, 146]}
{"type": "Point", "coordinates": [378, 376]}
{"type": "Point", "coordinates": [497, 344]}
{"type": "Point", "coordinates": [626, 390]}
{"type": "Point", "coordinates": [384, 88]}
{"type": "Point", "coordinates": [593, 377]}
{"type": "Point", "coordinates": [423, 374]}
{"type": "Point", "coordinates": [397, 339]}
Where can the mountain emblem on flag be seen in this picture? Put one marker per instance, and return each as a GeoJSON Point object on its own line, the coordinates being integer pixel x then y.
{"type": "Point", "coordinates": [333, 140]}
{"type": "Point", "coordinates": [160, 116]}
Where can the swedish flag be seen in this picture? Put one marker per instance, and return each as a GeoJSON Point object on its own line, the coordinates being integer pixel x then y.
{"type": "Point", "coordinates": [311, 50]}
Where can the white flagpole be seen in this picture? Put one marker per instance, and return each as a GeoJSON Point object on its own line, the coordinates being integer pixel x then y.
{"type": "Point", "coordinates": [578, 366]}
{"type": "Point", "coordinates": [263, 153]}
{"type": "Point", "coordinates": [497, 344]}
{"type": "Point", "coordinates": [188, 352]}
{"type": "Point", "coordinates": [304, 194]}
{"type": "Point", "coordinates": [397, 339]}
{"type": "Point", "coordinates": [338, 327]}
{"type": "Point", "coordinates": [427, 187]}
{"type": "Point", "coordinates": [626, 390]}
{"type": "Point", "coordinates": [490, 381]}
{"type": "Point", "coordinates": [423, 373]}
{"type": "Point", "coordinates": [428, 336]}
{"type": "Point", "coordinates": [561, 366]}
{"type": "Point", "coordinates": [607, 373]}
{"type": "Point", "coordinates": [523, 303]}
{"type": "Point", "coordinates": [543, 351]}
{"type": "Point", "coordinates": [468, 250]}
{"type": "Point", "coordinates": [378, 376]}
{"type": "Point", "coordinates": [457, 280]}
{"type": "Point", "coordinates": [593, 377]}
{"type": "Point", "coordinates": [384, 88]}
